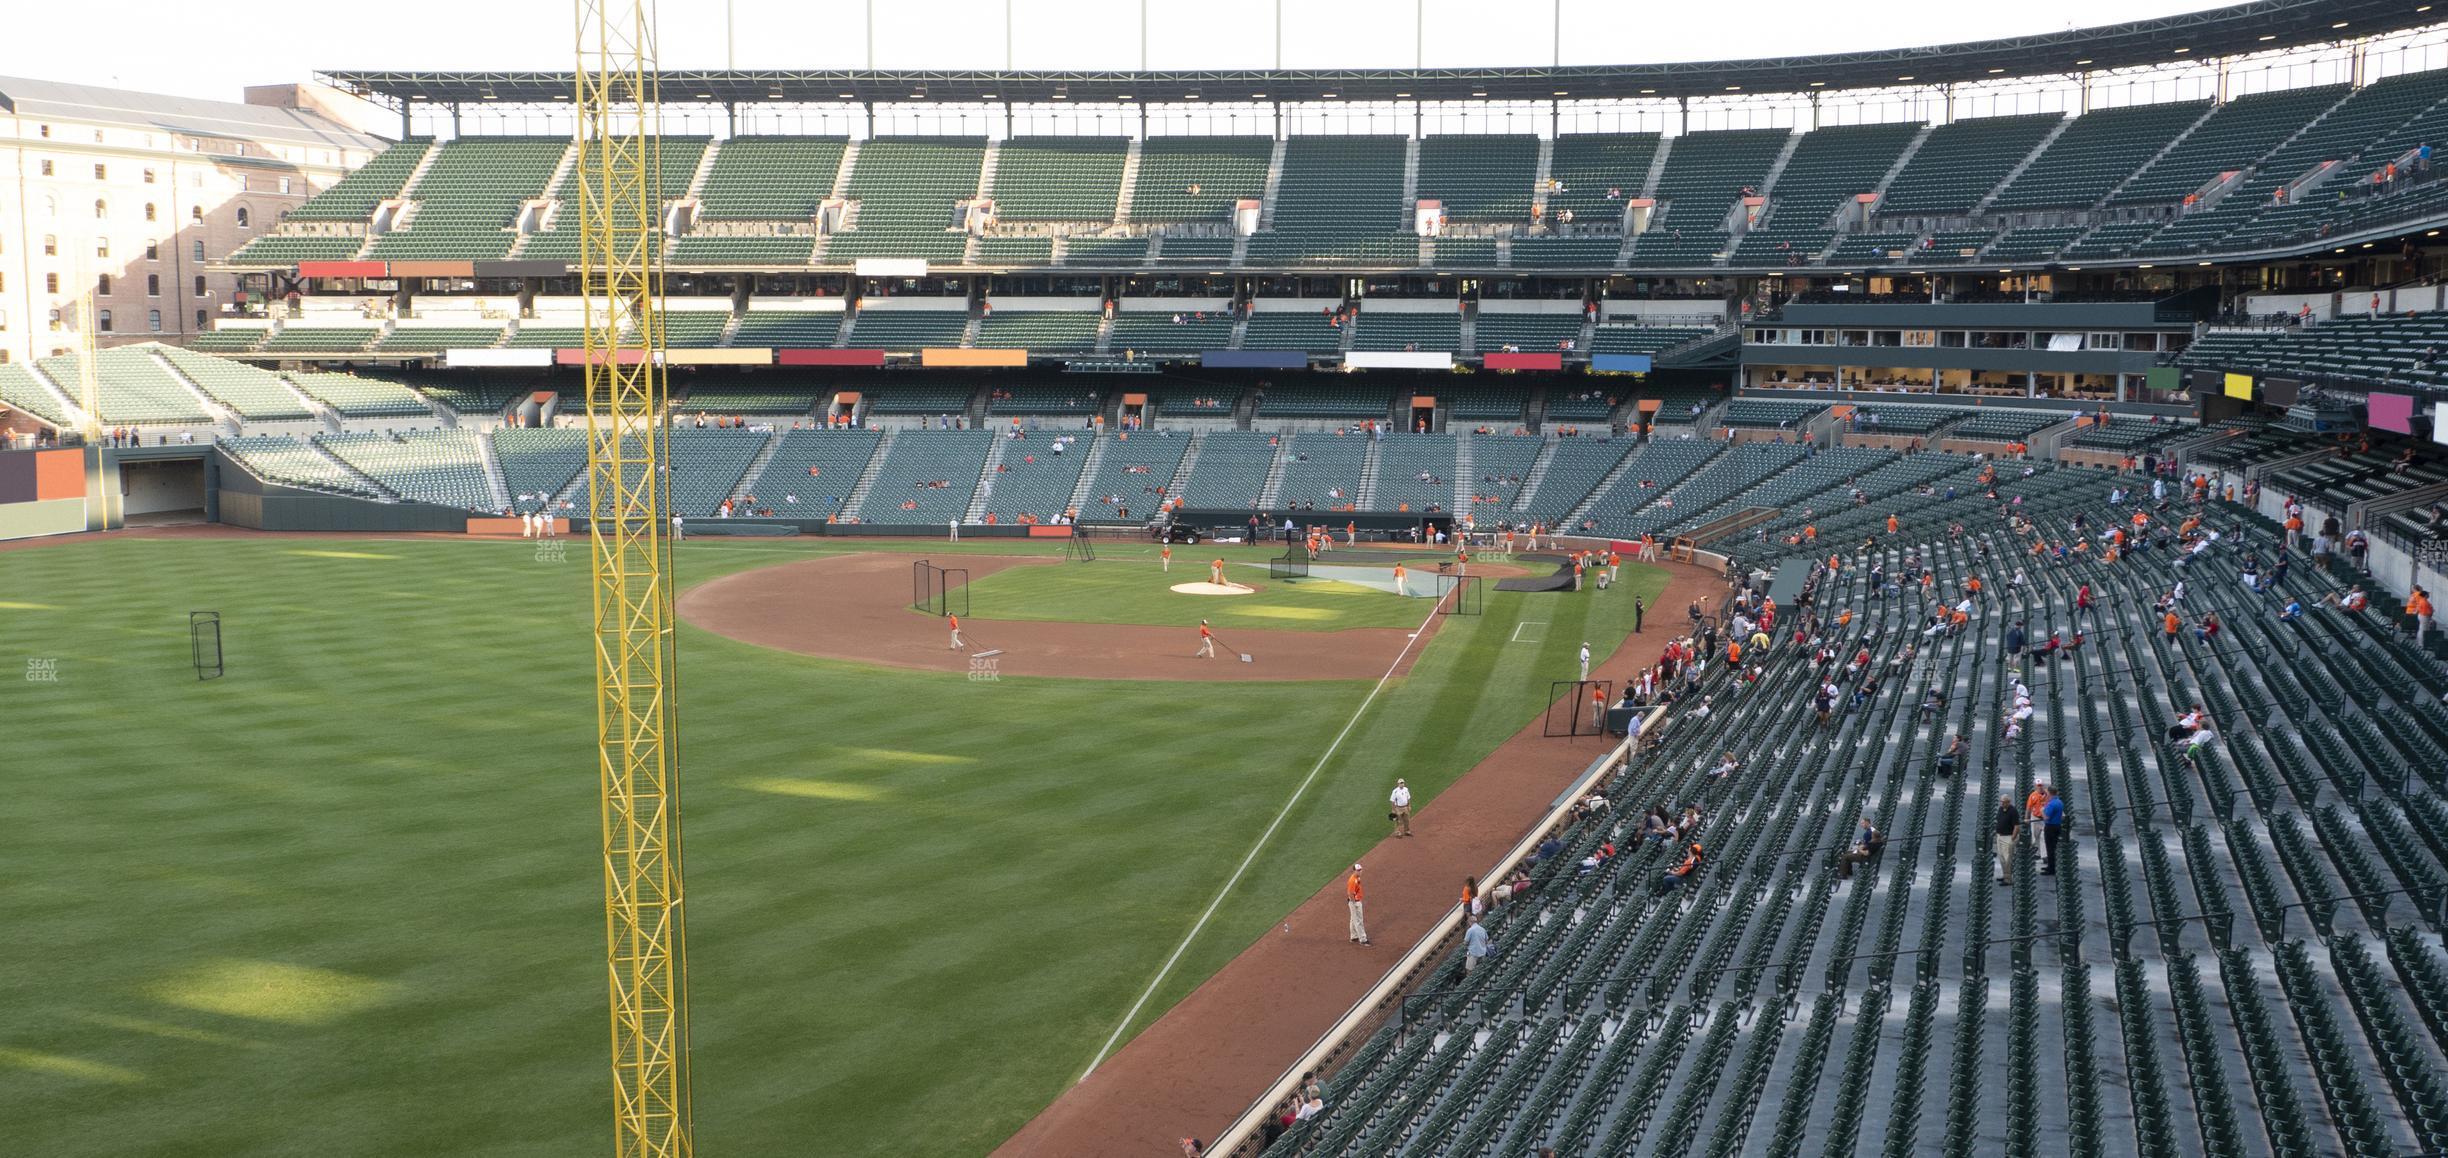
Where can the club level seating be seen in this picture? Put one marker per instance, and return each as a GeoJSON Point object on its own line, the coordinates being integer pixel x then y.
{"type": "Point", "coordinates": [1295, 330]}
{"type": "Point", "coordinates": [1500, 466]}
{"type": "Point", "coordinates": [1135, 470]}
{"type": "Point", "coordinates": [1565, 252]}
{"type": "Point", "coordinates": [925, 398]}
{"type": "Point", "coordinates": [1015, 251]}
{"type": "Point", "coordinates": [1196, 403]}
{"type": "Point", "coordinates": [1196, 250]}
{"type": "Point", "coordinates": [1323, 469]}
{"type": "Point", "coordinates": [2110, 240]}
{"type": "Point", "coordinates": [1961, 161]}
{"type": "Point", "coordinates": [918, 459]}
{"type": "Point", "coordinates": [1465, 253]}
{"type": "Point", "coordinates": [1231, 469]}
{"type": "Point", "coordinates": [133, 388]}
{"type": "Point", "coordinates": [1616, 338]}
{"type": "Point", "coordinates": [1779, 246]}
{"type": "Point", "coordinates": [1043, 398]}
{"type": "Point", "coordinates": [1676, 246]}
{"type": "Point", "coordinates": [1184, 179]}
{"type": "Point", "coordinates": [356, 397]}
{"type": "Point", "coordinates": [1402, 458]}
{"type": "Point", "coordinates": [759, 329]}
{"type": "Point", "coordinates": [355, 196]}
{"type": "Point", "coordinates": [434, 339]}
{"type": "Point", "coordinates": [538, 462]}
{"type": "Point", "coordinates": [2235, 136]}
{"type": "Point", "coordinates": [909, 329]}
{"type": "Point", "coordinates": [906, 189]}
{"type": "Point", "coordinates": [1039, 471]}
{"type": "Point", "coordinates": [319, 340]}
{"type": "Point", "coordinates": [283, 249]}
{"type": "Point", "coordinates": [2126, 434]}
{"type": "Point", "coordinates": [2399, 349]}
{"type": "Point", "coordinates": [469, 197]}
{"type": "Point", "coordinates": [1040, 329]}
{"type": "Point", "coordinates": [2007, 425]}
{"type": "Point", "coordinates": [761, 178]}
{"type": "Point", "coordinates": [1590, 165]}
{"type": "Point", "coordinates": [1531, 333]}
{"type": "Point", "coordinates": [19, 389]}
{"type": "Point", "coordinates": [724, 249]}
{"type": "Point", "coordinates": [1059, 178]}
{"type": "Point", "coordinates": [1905, 419]}
{"type": "Point", "coordinates": [1951, 246]}
{"type": "Point", "coordinates": [1775, 413]}
{"type": "Point", "coordinates": [1171, 332]}
{"type": "Point", "coordinates": [1497, 404]}
{"type": "Point", "coordinates": [255, 395]}
{"type": "Point", "coordinates": [2095, 152]}
{"type": "Point", "coordinates": [818, 467]}
{"type": "Point", "coordinates": [442, 467]}
{"type": "Point", "coordinates": [1649, 1018]}
{"type": "Point", "coordinates": [1356, 402]}
{"type": "Point", "coordinates": [1386, 330]}
{"type": "Point", "coordinates": [1829, 167]}
{"type": "Point", "coordinates": [1873, 248]}
{"type": "Point", "coordinates": [1574, 469]}
{"type": "Point", "coordinates": [1117, 251]}
{"type": "Point", "coordinates": [228, 341]}
{"type": "Point", "coordinates": [1580, 404]}
{"type": "Point", "coordinates": [2032, 244]}
{"type": "Point", "coordinates": [1479, 178]}
{"type": "Point", "coordinates": [733, 398]}
{"type": "Point", "coordinates": [282, 459]}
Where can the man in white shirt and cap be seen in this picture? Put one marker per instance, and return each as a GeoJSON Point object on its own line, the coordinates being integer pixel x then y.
{"type": "Point", "coordinates": [1585, 662]}
{"type": "Point", "coordinates": [1400, 808]}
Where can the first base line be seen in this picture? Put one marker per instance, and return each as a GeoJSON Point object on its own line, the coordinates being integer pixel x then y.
{"type": "Point", "coordinates": [1263, 837]}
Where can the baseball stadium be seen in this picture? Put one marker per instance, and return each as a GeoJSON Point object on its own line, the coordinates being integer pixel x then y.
{"type": "Point", "coordinates": [1892, 576]}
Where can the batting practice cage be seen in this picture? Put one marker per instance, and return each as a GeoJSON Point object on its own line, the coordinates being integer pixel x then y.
{"type": "Point", "coordinates": [1573, 711]}
{"type": "Point", "coordinates": [1457, 594]}
{"type": "Point", "coordinates": [1293, 564]}
{"type": "Point", "coordinates": [939, 590]}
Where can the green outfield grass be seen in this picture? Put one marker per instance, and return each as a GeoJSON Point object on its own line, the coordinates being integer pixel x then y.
{"type": "Point", "coordinates": [346, 900]}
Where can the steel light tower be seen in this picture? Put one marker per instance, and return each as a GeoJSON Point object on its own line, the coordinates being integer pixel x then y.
{"type": "Point", "coordinates": [619, 203]}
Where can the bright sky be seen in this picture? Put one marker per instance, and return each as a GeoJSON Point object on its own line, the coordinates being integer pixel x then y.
{"type": "Point", "coordinates": [205, 50]}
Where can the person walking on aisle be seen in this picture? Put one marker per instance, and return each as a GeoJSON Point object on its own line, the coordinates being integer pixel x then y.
{"type": "Point", "coordinates": [1354, 894]}
{"type": "Point", "coordinates": [2002, 838]}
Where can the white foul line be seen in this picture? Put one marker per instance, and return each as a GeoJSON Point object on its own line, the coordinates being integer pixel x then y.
{"type": "Point", "coordinates": [1263, 837]}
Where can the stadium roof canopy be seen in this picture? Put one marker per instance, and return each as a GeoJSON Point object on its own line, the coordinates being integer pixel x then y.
{"type": "Point", "coordinates": [2263, 26]}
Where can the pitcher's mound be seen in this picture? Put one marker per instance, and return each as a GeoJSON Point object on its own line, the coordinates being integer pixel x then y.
{"type": "Point", "coordinates": [1213, 589]}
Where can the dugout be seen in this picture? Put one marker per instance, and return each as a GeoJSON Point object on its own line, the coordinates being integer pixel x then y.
{"type": "Point", "coordinates": [1371, 526]}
